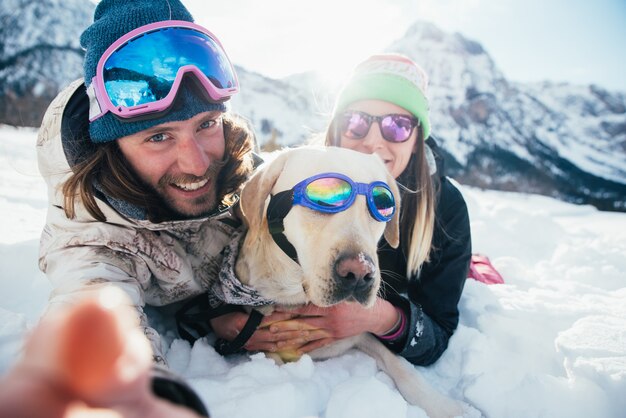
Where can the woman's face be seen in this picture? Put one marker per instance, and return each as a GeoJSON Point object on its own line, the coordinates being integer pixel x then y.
{"type": "Point", "coordinates": [396, 156]}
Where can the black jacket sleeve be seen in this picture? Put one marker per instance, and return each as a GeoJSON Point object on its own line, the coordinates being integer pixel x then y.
{"type": "Point", "coordinates": [170, 387]}
{"type": "Point", "coordinates": [430, 301]}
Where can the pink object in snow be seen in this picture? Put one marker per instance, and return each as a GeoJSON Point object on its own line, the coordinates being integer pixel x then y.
{"type": "Point", "coordinates": [482, 270]}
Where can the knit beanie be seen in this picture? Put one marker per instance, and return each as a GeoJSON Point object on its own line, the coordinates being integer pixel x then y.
{"type": "Point", "coordinates": [112, 20]}
{"type": "Point", "coordinates": [393, 78]}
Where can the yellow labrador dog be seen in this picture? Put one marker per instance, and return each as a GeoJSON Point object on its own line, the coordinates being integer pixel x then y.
{"type": "Point", "coordinates": [326, 258]}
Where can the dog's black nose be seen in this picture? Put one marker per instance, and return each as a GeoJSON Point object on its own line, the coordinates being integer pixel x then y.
{"type": "Point", "coordinates": [354, 276]}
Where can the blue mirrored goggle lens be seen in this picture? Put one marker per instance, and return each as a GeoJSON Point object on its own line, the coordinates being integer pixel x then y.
{"type": "Point", "coordinates": [144, 69]}
{"type": "Point", "coordinates": [329, 192]}
{"type": "Point", "coordinates": [383, 201]}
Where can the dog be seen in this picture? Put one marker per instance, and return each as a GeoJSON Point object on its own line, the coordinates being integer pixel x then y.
{"type": "Point", "coordinates": [333, 257]}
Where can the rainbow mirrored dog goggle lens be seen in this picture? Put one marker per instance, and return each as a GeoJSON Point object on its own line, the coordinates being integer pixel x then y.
{"type": "Point", "coordinates": [334, 192]}
{"type": "Point", "coordinates": [141, 72]}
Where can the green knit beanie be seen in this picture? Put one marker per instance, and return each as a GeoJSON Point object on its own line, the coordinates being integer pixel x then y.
{"type": "Point", "coordinates": [393, 78]}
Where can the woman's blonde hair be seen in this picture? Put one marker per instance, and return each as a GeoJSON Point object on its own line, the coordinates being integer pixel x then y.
{"type": "Point", "coordinates": [108, 168]}
{"type": "Point", "coordinates": [417, 210]}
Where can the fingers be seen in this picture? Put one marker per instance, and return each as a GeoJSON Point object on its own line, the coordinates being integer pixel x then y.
{"type": "Point", "coordinates": [102, 351]}
{"type": "Point", "coordinates": [300, 324]}
{"type": "Point", "coordinates": [314, 345]}
{"type": "Point", "coordinates": [265, 340]}
{"type": "Point", "coordinates": [26, 394]}
{"type": "Point", "coordinates": [94, 349]}
{"type": "Point", "coordinates": [91, 343]}
{"type": "Point", "coordinates": [276, 317]}
{"type": "Point", "coordinates": [300, 341]}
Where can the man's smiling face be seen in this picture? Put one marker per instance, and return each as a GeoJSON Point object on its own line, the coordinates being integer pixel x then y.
{"type": "Point", "coordinates": [180, 161]}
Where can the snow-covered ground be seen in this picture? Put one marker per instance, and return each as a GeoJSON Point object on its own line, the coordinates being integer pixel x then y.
{"type": "Point", "coordinates": [550, 342]}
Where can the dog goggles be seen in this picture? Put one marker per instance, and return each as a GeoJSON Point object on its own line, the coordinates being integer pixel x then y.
{"type": "Point", "coordinates": [141, 72]}
{"type": "Point", "coordinates": [326, 193]}
{"type": "Point", "coordinates": [393, 127]}
{"type": "Point", "coordinates": [334, 192]}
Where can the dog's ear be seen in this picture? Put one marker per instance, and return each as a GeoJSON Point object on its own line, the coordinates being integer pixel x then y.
{"type": "Point", "coordinates": [392, 230]}
{"type": "Point", "coordinates": [257, 189]}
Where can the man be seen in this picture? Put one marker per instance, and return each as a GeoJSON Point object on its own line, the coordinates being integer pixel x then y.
{"type": "Point", "coordinates": [143, 164]}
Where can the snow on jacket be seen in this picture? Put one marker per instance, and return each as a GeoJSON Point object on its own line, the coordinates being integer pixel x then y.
{"type": "Point", "coordinates": [154, 263]}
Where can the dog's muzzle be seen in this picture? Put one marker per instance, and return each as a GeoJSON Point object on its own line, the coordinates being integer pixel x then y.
{"type": "Point", "coordinates": [354, 278]}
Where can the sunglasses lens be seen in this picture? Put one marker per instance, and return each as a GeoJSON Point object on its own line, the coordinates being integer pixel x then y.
{"type": "Point", "coordinates": [329, 192]}
{"type": "Point", "coordinates": [396, 128]}
{"type": "Point", "coordinates": [383, 201]}
{"type": "Point", "coordinates": [143, 70]}
{"type": "Point", "coordinates": [354, 125]}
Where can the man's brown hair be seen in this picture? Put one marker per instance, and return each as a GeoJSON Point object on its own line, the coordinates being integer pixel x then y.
{"type": "Point", "coordinates": [108, 168]}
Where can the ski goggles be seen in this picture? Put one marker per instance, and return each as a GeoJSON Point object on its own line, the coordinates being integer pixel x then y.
{"type": "Point", "coordinates": [141, 72]}
{"type": "Point", "coordinates": [394, 127]}
{"type": "Point", "coordinates": [334, 192]}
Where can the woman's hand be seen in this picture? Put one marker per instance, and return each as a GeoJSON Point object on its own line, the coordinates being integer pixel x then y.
{"type": "Point", "coordinates": [322, 326]}
{"type": "Point", "coordinates": [88, 361]}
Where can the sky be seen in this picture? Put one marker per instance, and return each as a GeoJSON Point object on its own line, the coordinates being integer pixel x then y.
{"type": "Point", "coordinates": [549, 342]}
{"type": "Point", "coordinates": [577, 41]}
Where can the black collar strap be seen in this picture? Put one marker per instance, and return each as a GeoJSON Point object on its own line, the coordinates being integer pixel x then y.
{"type": "Point", "coordinates": [193, 322]}
{"type": "Point", "coordinates": [235, 346]}
{"type": "Point", "coordinates": [279, 206]}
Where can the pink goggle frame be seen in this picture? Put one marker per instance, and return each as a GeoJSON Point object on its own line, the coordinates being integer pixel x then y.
{"type": "Point", "coordinates": [197, 46]}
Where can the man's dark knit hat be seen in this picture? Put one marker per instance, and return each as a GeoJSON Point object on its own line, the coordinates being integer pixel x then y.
{"type": "Point", "coordinates": [112, 20]}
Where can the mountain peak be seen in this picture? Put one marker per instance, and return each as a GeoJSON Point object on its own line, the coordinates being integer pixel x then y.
{"type": "Point", "coordinates": [425, 31]}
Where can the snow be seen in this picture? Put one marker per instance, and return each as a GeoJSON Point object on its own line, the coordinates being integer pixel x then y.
{"type": "Point", "coordinates": [550, 342]}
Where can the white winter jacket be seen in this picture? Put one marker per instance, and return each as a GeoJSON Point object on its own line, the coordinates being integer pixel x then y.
{"type": "Point", "coordinates": [155, 264]}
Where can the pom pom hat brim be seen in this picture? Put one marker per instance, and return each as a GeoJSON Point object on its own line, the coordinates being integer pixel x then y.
{"type": "Point", "coordinates": [393, 78]}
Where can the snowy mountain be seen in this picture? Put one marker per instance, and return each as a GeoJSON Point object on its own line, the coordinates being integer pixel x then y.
{"type": "Point", "coordinates": [559, 140]}
{"type": "Point", "coordinates": [39, 53]}
{"type": "Point", "coordinates": [283, 112]}
{"type": "Point", "coordinates": [554, 139]}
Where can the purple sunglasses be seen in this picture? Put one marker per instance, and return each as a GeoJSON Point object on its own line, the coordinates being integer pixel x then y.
{"type": "Point", "coordinates": [141, 72]}
{"type": "Point", "coordinates": [394, 127]}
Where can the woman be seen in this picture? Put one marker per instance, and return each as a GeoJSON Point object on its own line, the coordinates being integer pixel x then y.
{"type": "Point", "coordinates": [383, 109]}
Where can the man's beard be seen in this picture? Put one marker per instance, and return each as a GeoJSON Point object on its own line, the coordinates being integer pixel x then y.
{"type": "Point", "coordinates": [201, 206]}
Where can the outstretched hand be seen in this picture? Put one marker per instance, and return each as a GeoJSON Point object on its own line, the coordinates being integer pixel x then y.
{"type": "Point", "coordinates": [88, 361]}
